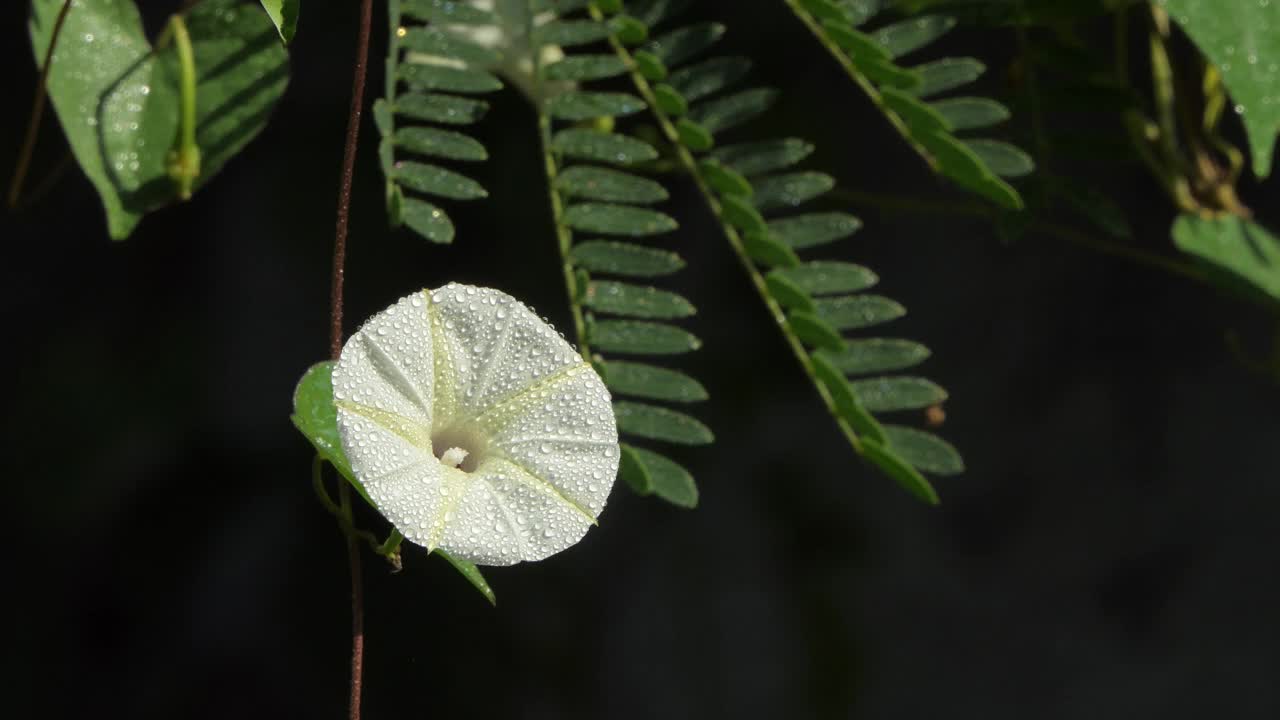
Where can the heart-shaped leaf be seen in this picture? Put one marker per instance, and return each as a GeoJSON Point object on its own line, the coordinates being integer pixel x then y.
{"type": "Point", "coordinates": [118, 98]}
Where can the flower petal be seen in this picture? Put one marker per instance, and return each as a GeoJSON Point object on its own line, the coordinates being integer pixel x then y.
{"type": "Point", "coordinates": [509, 516]}
{"type": "Point", "coordinates": [387, 364]}
{"type": "Point", "coordinates": [563, 433]}
{"type": "Point", "coordinates": [492, 346]}
{"type": "Point", "coordinates": [398, 475]}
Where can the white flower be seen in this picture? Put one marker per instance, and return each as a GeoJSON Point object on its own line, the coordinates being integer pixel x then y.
{"type": "Point", "coordinates": [475, 427]}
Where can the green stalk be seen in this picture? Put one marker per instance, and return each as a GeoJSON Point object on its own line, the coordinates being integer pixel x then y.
{"type": "Point", "coordinates": [1163, 86]}
{"type": "Point", "coordinates": [184, 161]}
{"type": "Point", "coordinates": [564, 236]}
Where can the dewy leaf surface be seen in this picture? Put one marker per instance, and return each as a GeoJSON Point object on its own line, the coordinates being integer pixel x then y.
{"type": "Point", "coordinates": [101, 46]}
{"type": "Point", "coordinates": [473, 369]}
{"type": "Point", "coordinates": [117, 99]}
{"type": "Point", "coordinates": [1241, 37]}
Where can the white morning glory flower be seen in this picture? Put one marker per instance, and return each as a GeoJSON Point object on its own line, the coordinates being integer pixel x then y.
{"type": "Point", "coordinates": [475, 427]}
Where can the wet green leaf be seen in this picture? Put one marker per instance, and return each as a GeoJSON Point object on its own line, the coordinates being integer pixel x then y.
{"type": "Point", "coordinates": [586, 67]}
{"type": "Point", "coordinates": [900, 471]}
{"type": "Point", "coordinates": [650, 381]}
{"type": "Point", "coordinates": [642, 338]}
{"type": "Point", "coordinates": [440, 108]}
{"type": "Point", "coordinates": [422, 76]}
{"type": "Point", "coordinates": [1002, 158]}
{"type": "Point", "coordinates": [859, 46]}
{"type": "Point", "coordinates": [658, 423]}
{"type": "Point", "coordinates": [917, 115]}
{"type": "Point", "coordinates": [447, 11]}
{"type": "Point", "coordinates": [708, 77]}
{"type": "Point", "coordinates": [826, 277]}
{"type": "Point", "coordinates": [862, 422]}
{"type": "Point", "coordinates": [602, 146]}
{"type": "Point", "coordinates": [732, 110]}
{"type": "Point", "coordinates": [789, 189]}
{"type": "Point", "coordinates": [1243, 251]}
{"type": "Point", "coordinates": [909, 35]}
{"type": "Point", "coordinates": [597, 183]}
{"type": "Point", "coordinates": [568, 33]}
{"type": "Point", "coordinates": [431, 40]}
{"type": "Point", "coordinates": [628, 30]}
{"type": "Point", "coordinates": [118, 101]}
{"type": "Point", "coordinates": [435, 180]}
{"type": "Point", "coordinates": [316, 418]}
{"type": "Point", "coordinates": [650, 66]}
{"type": "Point", "coordinates": [757, 158]}
{"type": "Point", "coordinates": [946, 74]}
{"type": "Point", "coordinates": [813, 229]}
{"type": "Point", "coordinates": [693, 135]}
{"type": "Point", "coordinates": [815, 332]}
{"type": "Point", "coordinates": [723, 180]}
{"type": "Point", "coordinates": [660, 475]}
{"type": "Point", "coordinates": [636, 301]}
{"type": "Point", "coordinates": [962, 165]}
{"type": "Point", "coordinates": [763, 248]}
{"type": "Point", "coordinates": [669, 100]}
{"type": "Point", "coordinates": [440, 143]}
{"type": "Point", "coordinates": [626, 259]}
{"type": "Point", "coordinates": [853, 312]}
{"type": "Point", "coordinates": [887, 394]}
{"type": "Point", "coordinates": [788, 293]}
{"type": "Point", "coordinates": [618, 220]}
{"type": "Point", "coordinates": [971, 113]}
{"type": "Point", "coordinates": [925, 451]}
{"type": "Point", "coordinates": [876, 355]}
{"type": "Point", "coordinates": [1241, 37]}
{"type": "Point", "coordinates": [427, 220]}
{"type": "Point", "coordinates": [579, 105]}
{"type": "Point", "coordinates": [284, 15]}
{"type": "Point", "coordinates": [679, 45]}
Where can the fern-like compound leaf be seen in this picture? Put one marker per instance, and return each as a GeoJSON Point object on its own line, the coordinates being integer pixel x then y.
{"type": "Point", "coordinates": [906, 94]}
{"type": "Point", "coordinates": [606, 216]}
{"type": "Point", "coordinates": [432, 66]}
{"type": "Point", "coordinates": [759, 193]}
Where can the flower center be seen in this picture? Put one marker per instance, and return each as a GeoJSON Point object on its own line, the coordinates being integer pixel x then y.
{"type": "Point", "coordinates": [459, 448]}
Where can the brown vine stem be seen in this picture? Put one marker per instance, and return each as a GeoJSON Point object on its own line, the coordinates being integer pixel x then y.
{"type": "Point", "coordinates": [359, 71]}
{"type": "Point", "coordinates": [37, 111]}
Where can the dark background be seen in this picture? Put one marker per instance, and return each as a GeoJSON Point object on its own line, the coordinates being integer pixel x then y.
{"type": "Point", "coordinates": [1108, 554]}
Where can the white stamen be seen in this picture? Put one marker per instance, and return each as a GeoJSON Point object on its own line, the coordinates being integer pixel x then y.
{"type": "Point", "coordinates": [453, 457]}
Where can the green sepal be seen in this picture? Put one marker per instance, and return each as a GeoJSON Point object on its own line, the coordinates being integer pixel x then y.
{"type": "Point", "coordinates": [472, 573]}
